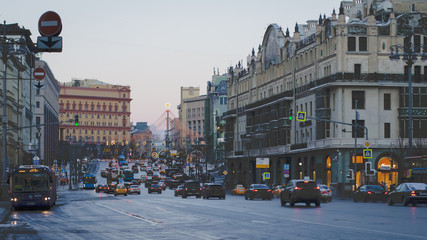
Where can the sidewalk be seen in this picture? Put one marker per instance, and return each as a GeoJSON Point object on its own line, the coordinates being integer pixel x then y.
{"type": "Point", "coordinates": [5, 210]}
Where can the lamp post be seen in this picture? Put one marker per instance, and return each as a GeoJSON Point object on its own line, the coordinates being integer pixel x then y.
{"type": "Point", "coordinates": [410, 56]}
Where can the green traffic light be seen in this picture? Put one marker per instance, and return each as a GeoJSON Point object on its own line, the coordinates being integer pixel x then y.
{"type": "Point", "coordinates": [76, 124]}
{"type": "Point", "coordinates": [290, 117]}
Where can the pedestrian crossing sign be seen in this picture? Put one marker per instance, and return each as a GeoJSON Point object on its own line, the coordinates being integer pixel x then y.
{"type": "Point", "coordinates": [367, 153]}
{"type": "Point", "coordinates": [266, 175]}
{"type": "Point", "coordinates": [301, 116]}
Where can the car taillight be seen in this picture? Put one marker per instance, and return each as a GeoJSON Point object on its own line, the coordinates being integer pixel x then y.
{"type": "Point", "coordinates": [324, 192]}
{"type": "Point", "coordinates": [369, 192]}
{"type": "Point", "coordinates": [200, 189]}
{"type": "Point", "coordinates": [152, 188]}
{"type": "Point", "coordinates": [297, 188]}
{"type": "Point", "coordinates": [316, 188]}
{"type": "Point", "coordinates": [385, 192]}
{"type": "Point", "coordinates": [413, 194]}
{"type": "Point", "coordinates": [268, 190]}
{"type": "Point", "coordinates": [255, 190]}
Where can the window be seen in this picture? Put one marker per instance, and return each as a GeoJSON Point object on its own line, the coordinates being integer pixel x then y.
{"type": "Point", "coordinates": [360, 128]}
{"type": "Point", "coordinates": [37, 120]}
{"type": "Point", "coordinates": [387, 101]}
{"type": "Point", "coordinates": [363, 44]}
{"type": "Point", "coordinates": [357, 71]}
{"type": "Point", "coordinates": [417, 72]}
{"type": "Point", "coordinates": [37, 104]}
{"type": "Point", "coordinates": [360, 97]}
{"type": "Point", "coordinates": [351, 44]}
{"type": "Point", "coordinates": [386, 130]}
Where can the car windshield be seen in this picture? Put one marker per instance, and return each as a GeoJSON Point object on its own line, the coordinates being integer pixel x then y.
{"type": "Point", "coordinates": [417, 186]}
{"type": "Point", "coordinates": [133, 186]}
{"type": "Point", "coordinates": [374, 187]}
{"type": "Point", "coordinates": [193, 184]}
{"type": "Point", "coordinates": [261, 187]}
{"type": "Point", "coordinates": [306, 184]}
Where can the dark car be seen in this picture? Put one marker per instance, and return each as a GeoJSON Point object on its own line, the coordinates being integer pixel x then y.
{"type": "Point", "coordinates": [155, 188]}
{"type": "Point", "coordinates": [178, 190]}
{"type": "Point", "coordinates": [135, 168]}
{"type": "Point", "coordinates": [370, 193]}
{"type": "Point", "coordinates": [101, 188]}
{"type": "Point", "coordinates": [407, 193]}
{"type": "Point", "coordinates": [258, 191]}
{"type": "Point", "coordinates": [111, 188]}
{"type": "Point", "coordinates": [136, 182]}
{"type": "Point", "coordinates": [192, 188]}
{"type": "Point", "coordinates": [213, 190]}
{"type": "Point", "coordinates": [298, 191]}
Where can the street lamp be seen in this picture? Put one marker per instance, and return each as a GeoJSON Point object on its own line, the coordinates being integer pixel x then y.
{"type": "Point", "coordinates": [410, 57]}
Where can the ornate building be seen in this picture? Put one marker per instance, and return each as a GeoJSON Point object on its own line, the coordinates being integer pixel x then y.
{"type": "Point", "coordinates": [104, 116]}
{"type": "Point", "coordinates": [337, 70]}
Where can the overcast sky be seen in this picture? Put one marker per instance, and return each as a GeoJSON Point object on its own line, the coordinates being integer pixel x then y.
{"type": "Point", "coordinates": [157, 46]}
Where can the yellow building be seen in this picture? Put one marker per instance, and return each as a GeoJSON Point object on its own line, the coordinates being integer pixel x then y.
{"type": "Point", "coordinates": [103, 110]}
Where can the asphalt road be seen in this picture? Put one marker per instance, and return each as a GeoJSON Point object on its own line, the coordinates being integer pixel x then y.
{"type": "Point", "coordinates": [85, 214]}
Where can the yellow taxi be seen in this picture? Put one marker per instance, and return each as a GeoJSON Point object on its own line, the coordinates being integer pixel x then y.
{"type": "Point", "coordinates": [238, 190]}
{"type": "Point", "coordinates": [121, 189]}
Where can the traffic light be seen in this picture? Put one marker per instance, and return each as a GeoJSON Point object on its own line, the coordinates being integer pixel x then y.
{"type": "Point", "coordinates": [291, 113]}
{"type": "Point", "coordinates": [368, 169]}
{"type": "Point", "coordinates": [76, 120]}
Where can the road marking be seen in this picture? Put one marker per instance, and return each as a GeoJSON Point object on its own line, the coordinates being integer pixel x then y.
{"type": "Point", "coordinates": [153, 222]}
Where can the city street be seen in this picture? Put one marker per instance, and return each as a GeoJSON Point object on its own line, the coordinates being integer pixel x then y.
{"type": "Point", "coordinates": [84, 214]}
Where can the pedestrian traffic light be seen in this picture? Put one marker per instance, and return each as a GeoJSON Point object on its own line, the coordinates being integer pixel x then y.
{"type": "Point", "coordinates": [291, 113]}
{"type": "Point", "coordinates": [76, 120]}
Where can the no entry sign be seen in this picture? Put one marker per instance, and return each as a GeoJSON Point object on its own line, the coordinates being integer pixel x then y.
{"type": "Point", "coordinates": [50, 24]}
{"type": "Point", "coordinates": [39, 74]}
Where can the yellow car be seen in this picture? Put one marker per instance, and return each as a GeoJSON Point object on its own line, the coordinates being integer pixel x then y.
{"type": "Point", "coordinates": [121, 190]}
{"type": "Point", "coordinates": [239, 190]}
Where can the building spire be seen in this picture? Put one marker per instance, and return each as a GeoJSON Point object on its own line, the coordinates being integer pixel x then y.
{"type": "Point", "coordinates": [296, 28]}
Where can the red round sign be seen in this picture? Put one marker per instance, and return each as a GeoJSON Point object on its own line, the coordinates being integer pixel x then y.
{"type": "Point", "coordinates": [39, 74]}
{"type": "Point", "coordinates": [50, 24]}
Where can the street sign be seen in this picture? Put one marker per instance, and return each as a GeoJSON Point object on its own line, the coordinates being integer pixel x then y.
{"type": "Point", "coordinates": [367, 144]}
{"type": "Point", "coordinates": [50, 24]}
{"type": "Point", "coordinates": [266, 175]}
{"type": "Point", "coordinates": [286, 173]}
{"type": "Point", "coordinates": [225, 172]}
{"type": "Point", "coordinates": [262, 162]}
{"type": "Point", "coordinates": [49, 44]}
{"type": "Point", "coordinates": [286, 166]}
{"type": "Point", "coordinates": [39, 74]}
{"type": "Point", "coordinates": [367, 153]}
{"type": "Point", "coordinates": [301, 116]}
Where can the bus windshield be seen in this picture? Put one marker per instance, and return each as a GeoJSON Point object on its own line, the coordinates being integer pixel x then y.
{"type": "Point", "coordinates": [90, 179]}
{"type": "Point", "coordinates": [30, 182]}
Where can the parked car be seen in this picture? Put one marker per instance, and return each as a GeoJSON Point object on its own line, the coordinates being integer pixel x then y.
{"type": "Point", "coordinates": [178, 190]}
{"type": "Point", "coordinates": [407, 193]}
{"type": "Point", "coordinates": [213, 190]}
{"type": "Point", "coordinates": [299, 190]}
{"type": "Point", "coordinates": [258, 191]}
{"type": "Point", "coordinates": [238, 190]}
{"type": "Point", "coordinates": [155, 188]}
{"type": "Point", "coordinates": [192, 188]}
{"type": "Point", "coordinates": [134, 189]}
{"type": "Point", "coordinates": [370, 193]}
{"type": "Point", "coordinates": [101, 188]}
{"type": "Point", "coordinates": [325, 192]}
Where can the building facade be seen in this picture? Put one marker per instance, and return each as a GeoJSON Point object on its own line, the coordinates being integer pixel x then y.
{"type": "Point", "coordinates": [46, 114]}
{"type": "Point", "coordinates": [337, 70]}
{"type": "Point", "coordinates": [216, 105]}
{"type": "Point", "coordinates": [17, 96]}
{"type": "Point", "coordinates": [104, 116]}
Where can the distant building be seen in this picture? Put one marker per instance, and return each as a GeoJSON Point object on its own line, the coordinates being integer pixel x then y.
{"type": "Point", "coordinates": [104, 115]}
{"type": "Point", "coordinates": [141, 140]}
{"type": "Point", "coordinates": [46, 114]}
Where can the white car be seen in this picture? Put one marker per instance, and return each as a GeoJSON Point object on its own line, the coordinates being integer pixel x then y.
{"type": "Point", "coordinates": [326, 193]}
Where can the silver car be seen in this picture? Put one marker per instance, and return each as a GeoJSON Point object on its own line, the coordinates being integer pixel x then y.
{"type": "Point", "coordinates": [326, 193]}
